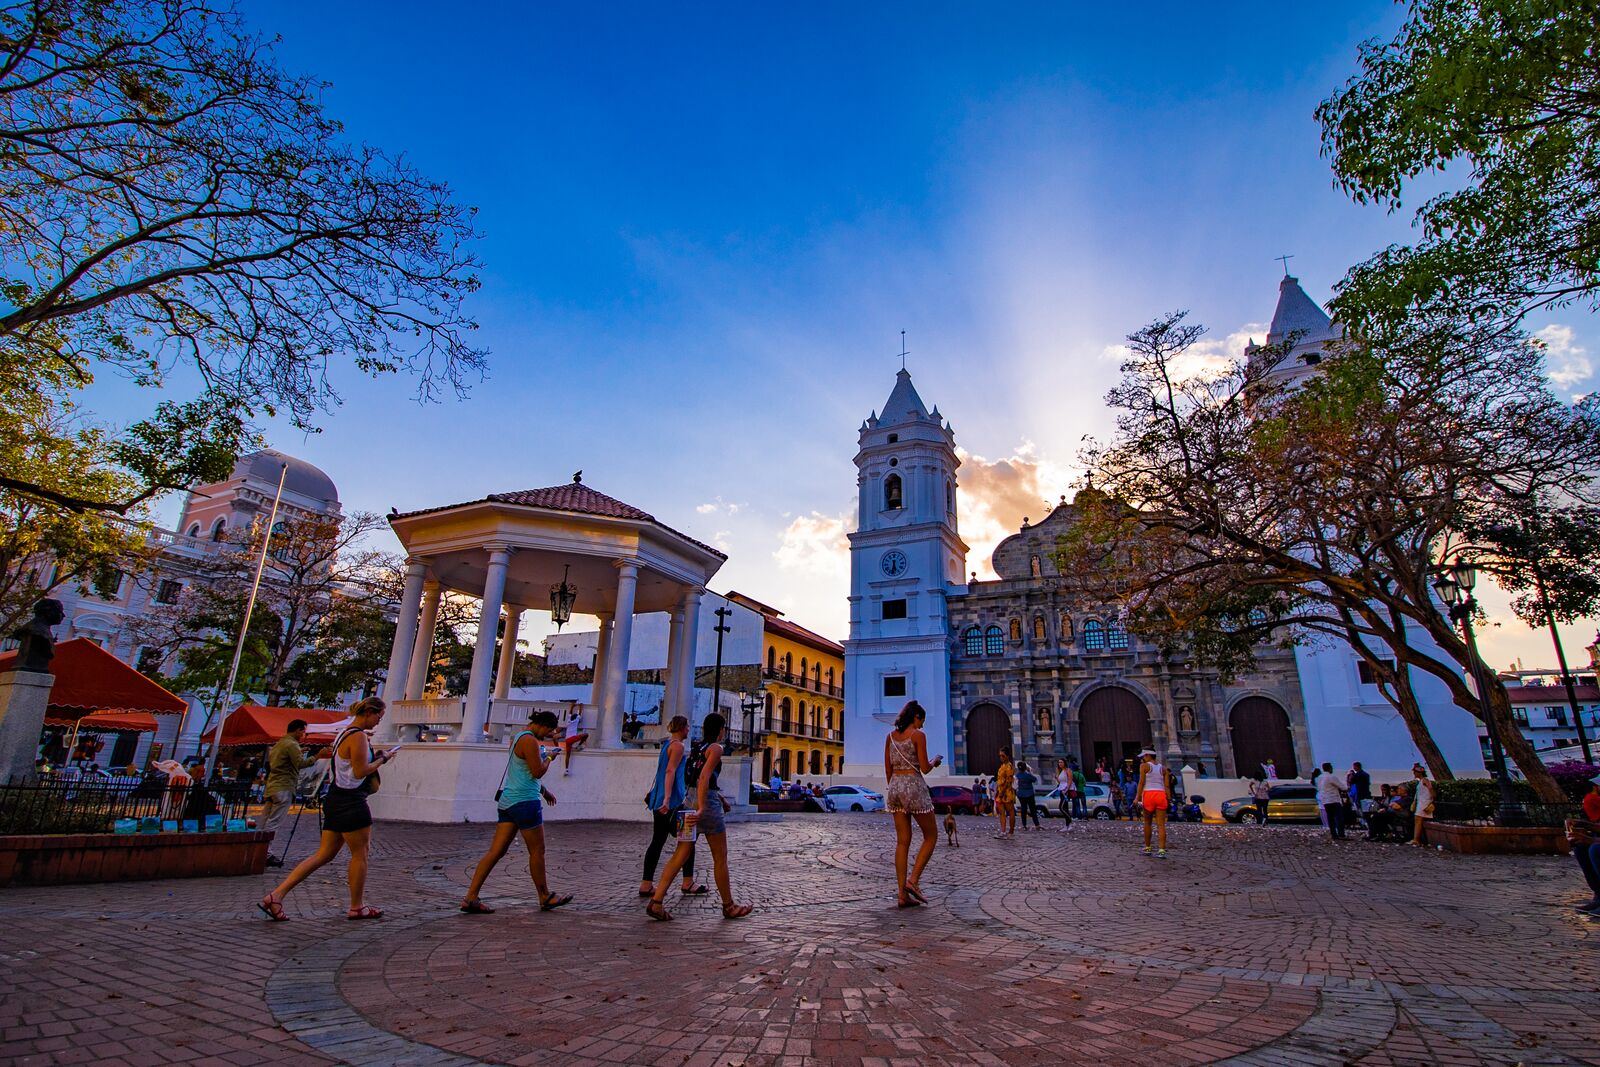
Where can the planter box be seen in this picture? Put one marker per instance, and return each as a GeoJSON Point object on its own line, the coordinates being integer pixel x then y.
{"type": "Point", "coordinates": [53, 859]}
{"type": "Point", "coordinates": [1473, 840]}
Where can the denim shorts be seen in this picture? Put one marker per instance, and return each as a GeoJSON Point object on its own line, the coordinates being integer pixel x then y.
{"type": "Point", "coordinates": [712, 822]}
{"type": "Point", "coordinates": [527, 815]}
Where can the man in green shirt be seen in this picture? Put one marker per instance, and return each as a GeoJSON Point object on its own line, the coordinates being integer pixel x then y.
{"type": "Point", "coordinates": [284, 764]}
{"type": "Point", "coordinates": [1080, 809]}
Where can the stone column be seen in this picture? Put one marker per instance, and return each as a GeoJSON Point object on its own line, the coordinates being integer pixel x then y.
{"type": "Point", "coordinates": [24, 695]}
{"type": "Point", "coordinates": [508, 654]}
{"type": "Point", "coordinates": [405, 637]}
{"type": "Point", "coordinates": [422, 654]}
{"type": "Point", "coordinates": [669, 695]}
{"type": "Point", "coordinates": [494, 590]}
{"type": "Point", "coordinates": [683, 679]}
{"type": "Point", "coordinates": [602, 648]}
{"type": "Point", "coordinates": [616, 686]}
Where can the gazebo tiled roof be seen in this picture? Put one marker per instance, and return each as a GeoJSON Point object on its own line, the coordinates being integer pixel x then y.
{"type": "Point", "coordinates": [576, 498]}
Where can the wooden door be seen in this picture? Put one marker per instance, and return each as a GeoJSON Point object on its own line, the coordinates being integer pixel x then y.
{"type": "Point", "coordinates": [988, 730]}
{"type": "Point", "coordinates": [1112, 723]}
{"type": "Point", "coordinates": [1260, 728]}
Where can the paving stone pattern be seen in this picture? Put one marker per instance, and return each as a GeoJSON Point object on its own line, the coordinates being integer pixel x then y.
{"type": "Point", "coordinates": [1250, 945]}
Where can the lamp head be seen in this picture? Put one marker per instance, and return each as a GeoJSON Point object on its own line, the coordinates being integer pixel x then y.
{"type": "Point", "coordinates": [1463, 573]}
{"type": "Point", "coordinates": [1447, 588]}
{"type": "Point", "coordinates": [562, 597]}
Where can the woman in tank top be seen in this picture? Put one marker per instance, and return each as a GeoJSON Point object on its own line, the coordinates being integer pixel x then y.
{"type": "Point", "coordinates": [1153, 800]}
{"type": "Point", "coordinates": [665, 799]}
{"type": "Point", "coordinates": [521, 805]}
{"type": "Point", "coordinates": [710, 807]}
{"type": "Point", "coordinates": [905, 761]}
{"type": "Point", "coordinates": [1064, 794]}
{"type": "Point", "coordinates": [346, 819]}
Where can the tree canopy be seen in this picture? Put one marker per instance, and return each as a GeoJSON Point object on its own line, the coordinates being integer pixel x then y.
{"type": "Point", "coordinates": [176, 208]}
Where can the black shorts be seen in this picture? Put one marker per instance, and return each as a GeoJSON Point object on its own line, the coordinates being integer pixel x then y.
{"type": "Point", "coordinates": [345, 811]}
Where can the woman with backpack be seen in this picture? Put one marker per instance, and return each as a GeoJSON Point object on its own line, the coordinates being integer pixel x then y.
{"type": "Point", "coordinates": [665, 798]}
{"type": "Point", "coordinates": [346, 819]}
{"type": "Point", "coordinates": [708, 821]}
{"type": "Point", "coordinates": [521, 803]}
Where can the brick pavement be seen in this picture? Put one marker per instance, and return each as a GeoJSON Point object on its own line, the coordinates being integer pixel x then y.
{"type": "Point", "coordinates": [1250, 946]}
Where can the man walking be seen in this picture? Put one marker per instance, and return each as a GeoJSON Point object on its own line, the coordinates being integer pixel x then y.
{"type": "Point", "coordinates": [284, 764]}
{"type": "Point", "coordinates": [1330, 794]}
{"type": "Point", "coordinates": [1026, 796]}
{"type": "Point", "coordinates": [1079, 808]}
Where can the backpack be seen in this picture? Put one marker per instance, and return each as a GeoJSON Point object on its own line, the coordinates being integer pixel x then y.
{"type": "Point", "coordinates": [695, 763]}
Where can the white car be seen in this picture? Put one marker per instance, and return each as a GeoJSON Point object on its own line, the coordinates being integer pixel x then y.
{"type": "Point", "coordinates": [853, 798]}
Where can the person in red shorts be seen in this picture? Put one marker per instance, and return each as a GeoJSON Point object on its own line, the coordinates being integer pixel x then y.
{"type": "Point", "coordinates": [1154, 799]}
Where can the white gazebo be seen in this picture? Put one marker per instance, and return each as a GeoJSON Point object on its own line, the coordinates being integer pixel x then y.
{"type": "Point", "coordinates": [563, 549]}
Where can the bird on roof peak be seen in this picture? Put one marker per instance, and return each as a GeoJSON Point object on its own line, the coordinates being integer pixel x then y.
{"type": "Point", "coordinates": [577, 477]}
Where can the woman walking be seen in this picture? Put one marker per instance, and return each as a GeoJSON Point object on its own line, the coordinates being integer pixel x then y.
{"type": "Point", "coordinates": [1005, 794]}
{"type": "Point", "coordinates": [1063, 799]}
{"type": "Point", "coordinates": [905, 761]}
{"type": "Point", "coordinates": [346, 819]}
{"type": "Point", "coordinates": [1153, 800]}
{"type": "Point", "coordinates": [522, 800]}
{"type": "Point", "coordinates": [666, 797]}
{"type": "Point", "coordinates": [709, 811]}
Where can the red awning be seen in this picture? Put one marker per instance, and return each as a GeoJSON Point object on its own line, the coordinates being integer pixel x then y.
{"type": "Point", "coordinates": [255, 724]}
{"type": "Point", "coordinates": [90, 679]}
{"type": "Point", "coordinates": [135, 721]}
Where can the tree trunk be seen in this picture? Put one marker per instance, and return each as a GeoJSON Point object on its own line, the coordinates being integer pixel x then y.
{"type": "Point", "coordinates": [1518, 749]}
{"type": "Point", "coordinates": [1405, 702]}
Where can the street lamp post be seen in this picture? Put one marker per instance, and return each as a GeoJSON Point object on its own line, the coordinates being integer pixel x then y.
{"type": "Point", "coordinates": [1454, 585]}
{"type": "Point", "coordinates": [720, 629]}
{"type": "Point", "coordinates": [750, 703]}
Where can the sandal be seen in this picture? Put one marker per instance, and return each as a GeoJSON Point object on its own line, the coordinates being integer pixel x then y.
{"type": "Point", "coordinates": [271, 906]}
{"type": "Point", "coordinates": [648, 892]}
{"type": "Point", "coordinates": [476, 907]}
{"type": "Point", "coordinates": [736, 911]}
{"type": "Point", "coordinates": [907, 901]}
{"type": "Point", "coordinates": [553, 901]}
{"type": "Point", "coordinates": [696, 891]}
{"type": "Point", "coordinates": [658, 911]}
{"type": "Point", "coordinates": [916, 893]}
{"type": "Point", "coordinates": [366, 911]}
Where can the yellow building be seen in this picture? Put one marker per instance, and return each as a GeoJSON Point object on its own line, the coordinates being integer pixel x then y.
{"type": "Point", "coordinates": [802, 677]}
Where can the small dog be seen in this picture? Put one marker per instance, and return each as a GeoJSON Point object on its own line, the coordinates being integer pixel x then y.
{"type": "Point", "coordinates": [950, 829]}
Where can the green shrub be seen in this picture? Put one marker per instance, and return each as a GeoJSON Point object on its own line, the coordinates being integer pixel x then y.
{"type": "Point", "coordinates": [1478, 798]}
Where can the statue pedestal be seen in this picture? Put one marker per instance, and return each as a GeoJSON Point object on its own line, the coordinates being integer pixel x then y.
{"type": "Point", "coordinates": [23, 698]}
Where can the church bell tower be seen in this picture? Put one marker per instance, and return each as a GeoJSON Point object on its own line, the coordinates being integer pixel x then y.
{"type": "Point", "coordinates": [905, 555]}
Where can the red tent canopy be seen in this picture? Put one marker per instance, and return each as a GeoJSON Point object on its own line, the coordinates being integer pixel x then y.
{"type": "Point", "coordinates": [255, 724]}
{"type": "Point", "coordinates": [135, 721]}
{"type": "Point", "coordinates": [89, 679]}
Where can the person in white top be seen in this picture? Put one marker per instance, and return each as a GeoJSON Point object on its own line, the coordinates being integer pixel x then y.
{"type": "Point", "coordinates": [1063, 794]}
{"type": "Point", "coordinates": [1330, 794]}
{"type": "Point", "coordinates": [1423, 794]}
{"type": "Point", "coordinates": [1154, 799]}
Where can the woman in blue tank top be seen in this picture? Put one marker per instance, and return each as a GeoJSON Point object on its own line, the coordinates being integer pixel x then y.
{"type": "Point", "coordinates": [522, 801]}
{"type": "Point", "coordinates": [709, 810]}
{"type": "Point", "coordinates": [666, 797]}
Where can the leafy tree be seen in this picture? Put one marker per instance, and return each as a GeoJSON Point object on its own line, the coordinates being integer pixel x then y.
{"type": "Point", "coordinates": [1233, 510]}
{"type": "Point", "coordinates": [1505, 95]}
{"type": "Point", "coordinates": [176, 208]}
{"type": "Point", "coordinates": [322, 595]}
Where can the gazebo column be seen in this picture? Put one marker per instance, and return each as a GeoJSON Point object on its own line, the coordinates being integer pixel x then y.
{"type": "Point", "coordinates": [669, 693]}
{"type": "Point", "coordinates": [508, 654]}
{"type": "Point", "coordinates": [602, 649]}
{"type": "Point", "coordinates": [405, 636]}
{"type": "Point", "coordinates": [617, 656]}
{"type": "Point", "coordinates": [422, 654]}
{"type": "Point", "coordinates": [494, 591]}
{"type": "Point", "coordinates": [683, 668]}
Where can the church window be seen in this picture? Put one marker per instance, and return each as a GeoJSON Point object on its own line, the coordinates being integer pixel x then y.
{"type": "Point", "coordinates": [1016, 630]}
{"type": "Point", "coordinates": [217, 529]}
{"type": "Point", "coordinates": [894, 685]}
{"type": "Point", "coordinates": [1038, 628]}
{"type": "Point", "coordinates": [972, 641]}
{"type": "Point", "coordinates": [1116, 636]}
{"type": "Point", "coordinates": [894, 609]}
{"type": "Point", "coordinates": [894, 438]}
{"type": "Point", "coordinates": [949, 499]}
{"type": "Point", "coordinates": [1066, 629]}
{"type": "Point", "coordinates": [1034, 567]}
{"type": "Point", "coordinates": [1258, 617]}
{"type": "Point", "coordinates": [1094, 635]}
{"type": "Point", "coordinates": [891, 492]}
{"type": "Point", "coordinates": [993, 641]}
{"type": "Point", "coordinates": [280, 530]}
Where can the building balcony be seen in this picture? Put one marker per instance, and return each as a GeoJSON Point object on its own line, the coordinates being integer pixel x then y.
{"type": "Point", "coordinates": [801, 681]}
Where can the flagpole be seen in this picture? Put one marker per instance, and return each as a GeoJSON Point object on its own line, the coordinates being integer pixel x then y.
{"type": "Point", "coordinates": [244, 629]}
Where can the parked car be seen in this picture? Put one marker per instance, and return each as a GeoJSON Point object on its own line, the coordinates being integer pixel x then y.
{"type": "Point", "coordinates": [853, 798]}
{"type": "Point", "coordinates": [1286, 803]}
{"type": "Point", "coordinates": [1096, 800]}
{"type": "Point", "coordinates": [956, 798]}
{"type": "Point", "coordinates": [766, 800]}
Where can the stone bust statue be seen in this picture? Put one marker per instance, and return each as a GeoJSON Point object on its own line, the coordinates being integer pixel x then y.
{"type": "Point", "coordinates": [38, 643]}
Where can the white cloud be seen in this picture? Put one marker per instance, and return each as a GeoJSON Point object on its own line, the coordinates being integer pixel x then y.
{"type": "Point", "coordinates": [717, 506]}
{"type": "Point", "coordinates": [1566, 363]}
{"type": "Point", "coordinates": [816, 545]}
{"type": "Point", "coordinates": [1209, 355]}
{"type": "Point", "coordinates": [996, 495]}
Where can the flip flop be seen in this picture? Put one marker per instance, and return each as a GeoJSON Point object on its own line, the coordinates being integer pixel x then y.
{"type": "Point", "coordinates": [272, 908]}
{"type": "Point", "coordinates": [553, 901]}
{"type": "Point", "coordinates": [366, 911]}
{"type": "Point", "coordinates": [697, 891]}
{"type": "Point", "coordinates": [477, 907]}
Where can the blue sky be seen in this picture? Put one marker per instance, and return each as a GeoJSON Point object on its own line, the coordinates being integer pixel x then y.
{"type": "Point", "coordinates": [705, 227]}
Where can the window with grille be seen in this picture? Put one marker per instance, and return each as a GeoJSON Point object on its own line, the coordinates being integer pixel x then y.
{"type": "Point", "coordinates": [167, 592]}
{"type": "Point", "coordinates": [972, 641]}
{"type": "Point", "coordinates": [1116, 637]}
{"type": "Point", "coordinates": [1094, 635]}
{"type": "Point", "coordinates": [994, 642]}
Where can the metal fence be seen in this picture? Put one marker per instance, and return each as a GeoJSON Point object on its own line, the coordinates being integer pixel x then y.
{"type": "Point", "coordinates": [95, 806]}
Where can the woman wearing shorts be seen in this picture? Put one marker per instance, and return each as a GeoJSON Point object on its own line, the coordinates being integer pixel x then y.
{"type": "Point", "coordinates": [522, 800]}
{"type": "Point", "coordinates": [345, 817]}
{"type": "Point", "coordinates": [1154, 800]}
{"type": "Point", "coordinates": [905, 761]}
{"type": "Point", "coordinates": [710, 823]}
{"type": "Point", "coordinates": [666, 797]}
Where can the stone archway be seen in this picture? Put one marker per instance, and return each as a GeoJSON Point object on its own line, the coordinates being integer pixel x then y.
{"type": "Point", "coordinates": [988, 728]}
{"type": "Point", "coordinates": [1113, 725]}
{"type": "Point", "coordinates": [1259, 727]}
